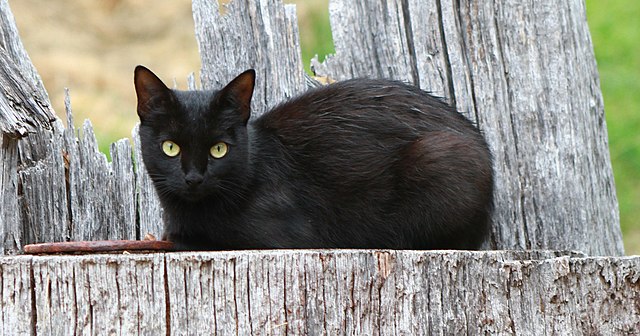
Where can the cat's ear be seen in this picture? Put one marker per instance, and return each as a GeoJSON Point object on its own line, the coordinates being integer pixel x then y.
{"type": "Point", "coordinates": [148, 86]}
{"type": "Point", "coordinates": [238, 93]}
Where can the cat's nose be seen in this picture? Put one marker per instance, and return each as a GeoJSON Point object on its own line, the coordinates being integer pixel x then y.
{"type": "Point", "coordinates": [193, 179]}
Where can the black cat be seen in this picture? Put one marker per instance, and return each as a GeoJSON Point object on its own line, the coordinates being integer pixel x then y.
{"type": "Point", "coordinates": [362, 163]}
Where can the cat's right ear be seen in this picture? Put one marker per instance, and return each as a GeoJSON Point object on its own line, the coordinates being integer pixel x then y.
{"type": "Point", "coordinates": [148, 86]}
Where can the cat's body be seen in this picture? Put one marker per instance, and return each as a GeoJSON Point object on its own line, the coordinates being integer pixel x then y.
{"type": "Point", "coordinates": [356, 164]}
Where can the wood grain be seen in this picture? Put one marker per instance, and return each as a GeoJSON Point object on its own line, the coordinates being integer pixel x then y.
{"type": "Point", "coordinates": [147, 202]}
{"type": "Point", "coordinates": [24, 104]}
{"type": "Point", "coordinates": [302, 292]}
{"type": "Point", "coordinates": [262, 35]}
{"type": "Point", "coordinates": [10, 224]}
{"type": "Point", "coordinates": [16, 293]}
{"type": "Point", "coordinates": [99, 294]}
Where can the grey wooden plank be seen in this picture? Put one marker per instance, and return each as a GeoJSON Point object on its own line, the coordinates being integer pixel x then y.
{"type": "Point", "coordinates": [102, 194]}
{"type": "Point", "coordinates": [43, 204]}
{"type": "Point", "coordinates": [147, 202]}
{"type": "Point", "coordinates": [123, 194]}
{"type": "Point", "coordinates": [344, 292]}
{"type": "Point", "coordinates": [430, 50]}
{"type": "Point", "coordinates": [561, 145]}
{"type": "Point", "coordinates": [16, 295]}
{"type": "Point", "coordinates": [99, 295]}
{"type": "Point", "coordinates": [88, 183]}
{"type": "Point", "coordinates": [192, 301]}
{"type": "Point", "coordinates": [371, 40]}
{"type": "Point", "coordinates": [23, 109]}
{"type": "Point", "coordinates": [262, 35]}
{"type": "Point", "coordinates": [42, 197]}
{"type": "Point", "coordinates": [10, 228]}
{"type": "Point", "coordinates": [400, 292]}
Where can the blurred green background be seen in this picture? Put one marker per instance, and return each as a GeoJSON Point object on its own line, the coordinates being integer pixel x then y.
{"type": "Point", "coordinates": [92, 47]}
{"type": "Point", "coordinates": [615, 31]}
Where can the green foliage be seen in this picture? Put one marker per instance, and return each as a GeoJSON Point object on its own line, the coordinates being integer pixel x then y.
{"type": "Point", "coordinates": [616, 37]}
{"type": "Point", "coordinates": [315, 30]}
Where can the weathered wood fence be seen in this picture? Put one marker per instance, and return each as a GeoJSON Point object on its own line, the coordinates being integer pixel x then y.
{"type": "Point", "coordinates": [523, 71]}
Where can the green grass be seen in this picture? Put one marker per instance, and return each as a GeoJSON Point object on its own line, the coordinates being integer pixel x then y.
{"type": "Point", "coordinates": [616, 37]}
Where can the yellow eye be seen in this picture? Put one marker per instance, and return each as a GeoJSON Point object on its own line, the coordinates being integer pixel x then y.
{"type": "Point", "coordinates": [170, 148]}
{"type": "Point", "coordinates": [219, 150]}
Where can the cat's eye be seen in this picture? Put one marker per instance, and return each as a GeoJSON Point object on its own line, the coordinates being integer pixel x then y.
{"type": "Point", "coordinates": [170, 148]}
{"type": "Point", "coordinates": [219, 150]}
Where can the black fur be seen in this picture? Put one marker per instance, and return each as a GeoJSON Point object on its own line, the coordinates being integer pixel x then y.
{"type": "Point", "coordinates": [357, 164]}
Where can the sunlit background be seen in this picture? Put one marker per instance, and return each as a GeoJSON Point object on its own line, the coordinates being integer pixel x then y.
{"type": "Point", "coordinates": [91, 47]}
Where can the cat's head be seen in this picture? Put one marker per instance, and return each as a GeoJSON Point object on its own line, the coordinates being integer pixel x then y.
{"type": "Point", "coordinates": [194, 143]}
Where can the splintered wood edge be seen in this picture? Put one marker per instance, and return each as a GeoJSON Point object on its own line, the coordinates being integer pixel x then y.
{"type": "Point", "coordinates": [99, 246]}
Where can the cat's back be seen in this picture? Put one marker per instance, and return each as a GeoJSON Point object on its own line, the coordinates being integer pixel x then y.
{"type": "Point", "coordinates": [362, 112]}
{"type": "Point", "coordinates": [366, 133]}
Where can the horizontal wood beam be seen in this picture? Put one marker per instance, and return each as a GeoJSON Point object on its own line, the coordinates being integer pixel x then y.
{"type": "Point", "coordinates": [321, 292]}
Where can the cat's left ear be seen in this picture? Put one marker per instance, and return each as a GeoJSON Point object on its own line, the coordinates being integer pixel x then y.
{"type": "Point", "coordinates": [239, 92]}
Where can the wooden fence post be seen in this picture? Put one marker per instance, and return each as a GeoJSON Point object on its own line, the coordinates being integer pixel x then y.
{"type": "Point", "coordinates": [9, 220]}
{"type": "Point", "coordinates": [24, 110]}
